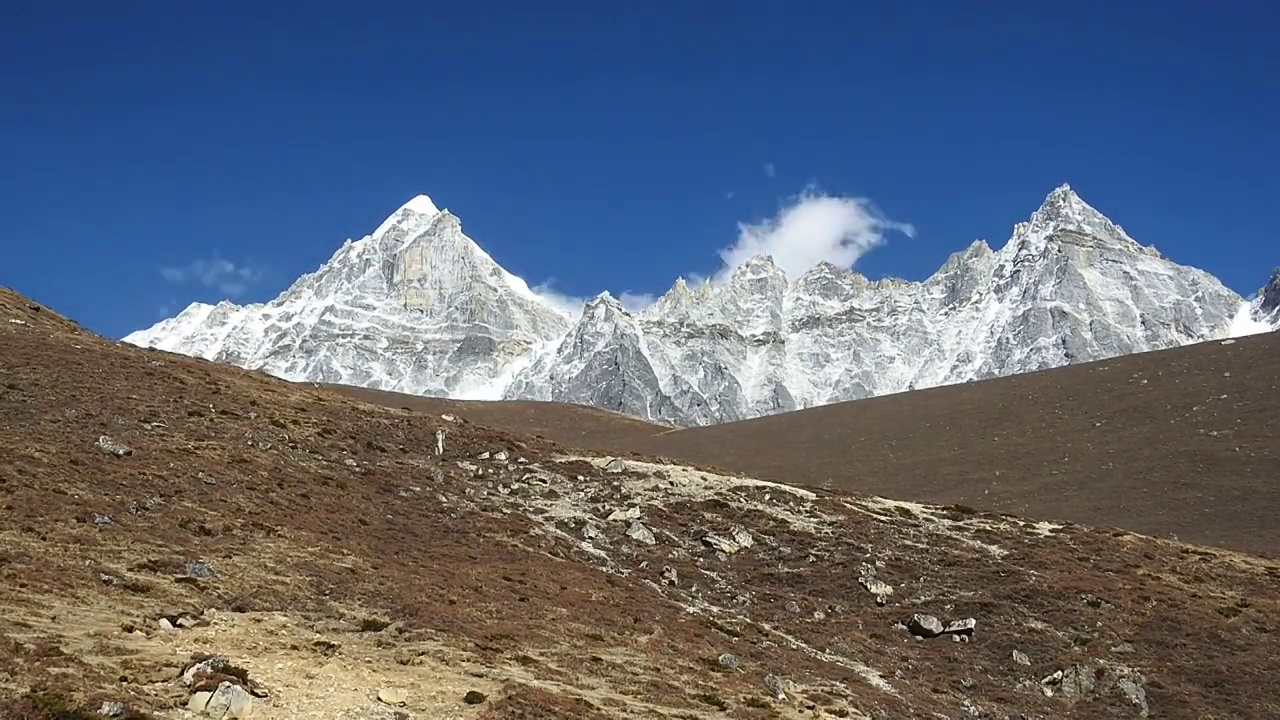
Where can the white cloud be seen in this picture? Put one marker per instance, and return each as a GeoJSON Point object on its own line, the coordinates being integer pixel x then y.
{"type": "Point", "coordinates": [813, 229]}
{"type": "Point", "coordinates": [634, 302]}
{"type": "Point", "coordinates": [769, 170]}
{"type": "Point", "coordinates": [565, 303]}
{"type": "Point", "coordinates": [573, 305]}
{"type": "Point", "coordinates": [216, 272]}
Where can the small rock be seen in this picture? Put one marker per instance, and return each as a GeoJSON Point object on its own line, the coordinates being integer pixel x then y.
{"type": "Point", "coordinates": [440, 442]}
{"type": "Point", "coordinates": [393, 696]}
{"type": "Point", "coordinates": [111, 447]}
{"type": "Point", "coordinates": [199, 569]}
{"type": "Point", "coordinates": [632, 513]}
{"type": "Point", "coordinates": [960, 628]}
{"type": "Point", "coordinates": [484, 455]}
{"type": "Point", "coordinates": [743, 537]}
{"type": "Point", "coordinates": [925, 626]}
{"type": "Point", "coordinates": [616, 465]}
{"type": "Point", "coordinates": [198, 701]}
{"type": "Point", "coordinates": [501, 456]}
{"type": "Point", "coordinates": [111, 709]}
{"type": "Point", "coordinates": [1021, 658]}
{"type": "Point", "coordinates": [878, 588]}
{"type": "Point", "coordinates": [637, 531]}
{"type": "Point", "coordinates": [1094, 601]}
{"type": "Point", "coordinates": [720, 544]}
{"type": "Point", "coordinates": [669, 576]}
{"type": "Point", "coordinates": [792, 606]}
{"type": "Point", "coordinates": [728, 661]}
{"type": "Point", "coordinates": [211, 665]}
{"type": "Point", "coordinates": [102, 521]}
{"type": "Point", "coordinates": [474, 697]}
{"type": "Point", "coordinates": [775, 686]}
{"type": "Point", "coordinates": [229, 701]}
{"type": "Point", "coordinates": [449, 418]}
{"type": "Point", "coordinates": [1123, 648]}
{"type": "Point", "coordinates": [165, 624]}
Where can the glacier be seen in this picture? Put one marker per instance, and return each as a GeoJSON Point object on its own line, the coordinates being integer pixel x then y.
{"type": "Point", "coordinates": [418, 307]}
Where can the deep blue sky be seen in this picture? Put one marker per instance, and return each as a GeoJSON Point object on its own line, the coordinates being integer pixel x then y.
{"type": "Point", "coordinates": [598, 146]}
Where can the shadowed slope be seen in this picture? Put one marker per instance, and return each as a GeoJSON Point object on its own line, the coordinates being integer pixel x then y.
{"type": "Point", "coordinates": [576, 425]}
{"type": "Point", "coordinates": [1181, 443]}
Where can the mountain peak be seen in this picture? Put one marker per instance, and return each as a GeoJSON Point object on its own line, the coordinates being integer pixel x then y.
{"type": "Point", "coordinates": [420, 204]}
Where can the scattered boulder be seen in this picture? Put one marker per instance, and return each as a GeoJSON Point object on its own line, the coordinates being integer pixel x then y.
{"type": "Point", "coordinates": [616, 465]}
{"type": "Point", "coordinates": [669, 576]}
{"type": "Point", "coordinates": [960, 630]}
{"type": "Point", "coordinates": [638, 532]}
{"type": "Point", "coordinates": [165, 624]}
{"type": "Point", "coordinates": [631, 513]}
{"type": "Point", "coordinates": [474, 697]}
{"type": "Point", "coordinates": [109, 446]}
{"type": "Point", "coordinates": [728, 661]}
{"type": "Point", "coordinates": [1021, 658]}
{"type": "Point", "coordinates": [720, 544]}
{"type": "Point", "coordinates": [878, 588]}
{"type": "Point", "coordinates": [111, 709]}
{"type": "Point", "coordinates": [227, 702]}
{"type": "Point", "coordinates": [924, 626]}
{"type": "Point", "coordinates": [1096, 602]}
{"type": "Point", "coordinates": [776, 686]}
{"type": "Point", "coordinates": [1083, 680]}
{"type": "Point", "coordinates": [501, 456]}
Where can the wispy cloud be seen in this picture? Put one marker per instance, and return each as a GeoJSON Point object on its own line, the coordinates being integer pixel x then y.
{"type": "Point", "coordinates": [813, 228]}
{"type": "Point", "coordinates": [770, 171]}
{"type": "Point", "coordinates": [634, 302]}
{"type": "Point", "coordinates": [232, 279]}
{"type": "Point", "coordinates": [570, 305]}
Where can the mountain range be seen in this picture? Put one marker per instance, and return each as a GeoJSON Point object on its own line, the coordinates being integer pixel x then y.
{"type": "Point", "coordinates": [418, 307]}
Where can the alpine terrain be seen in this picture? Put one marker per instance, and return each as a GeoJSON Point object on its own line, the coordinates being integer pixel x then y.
{"type": "Point", "coordinates": [418, 307]}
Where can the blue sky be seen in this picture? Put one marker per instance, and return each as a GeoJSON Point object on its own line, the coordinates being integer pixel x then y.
{"type": "Point", "coordinates": [610, 145]}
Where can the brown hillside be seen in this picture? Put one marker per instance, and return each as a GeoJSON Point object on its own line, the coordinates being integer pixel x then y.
{"type": "Point", "coordinates": [1182, 443]}
{"type": "Point", "coordinates": [575, 425]}
{"type": "Point", "coordinates": [347, 569]}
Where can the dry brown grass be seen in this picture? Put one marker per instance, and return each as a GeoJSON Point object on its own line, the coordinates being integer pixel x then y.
{"type": "Point", "coordinates": [345, 554]}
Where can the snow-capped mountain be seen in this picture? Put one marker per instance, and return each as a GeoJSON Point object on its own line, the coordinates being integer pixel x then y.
{"type": "Point", "coordinates": [415, 307]}
{"type": "Point", "coordinates": [418, 307]}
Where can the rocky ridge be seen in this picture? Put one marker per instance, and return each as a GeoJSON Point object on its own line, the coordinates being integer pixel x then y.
{"type": "Point", "coordinates": [418, 307]}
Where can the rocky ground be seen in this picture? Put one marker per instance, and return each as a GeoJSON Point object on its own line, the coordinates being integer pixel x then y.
{"type": "Point", "coordinates": [185, 540]}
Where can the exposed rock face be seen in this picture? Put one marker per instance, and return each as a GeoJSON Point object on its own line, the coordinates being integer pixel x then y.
{"type": "Point", "coordinates": [1266, 306]}
{"type": "Point", "coordinates": [418, 307]}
